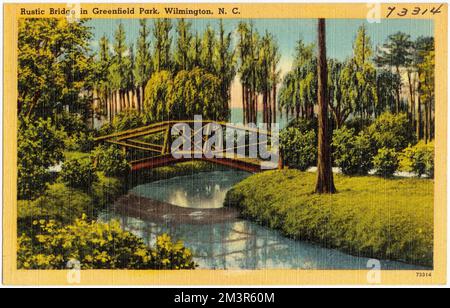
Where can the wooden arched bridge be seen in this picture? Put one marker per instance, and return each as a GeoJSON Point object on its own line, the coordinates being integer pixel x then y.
{"type": "Point", "coordinates": [151, 146]}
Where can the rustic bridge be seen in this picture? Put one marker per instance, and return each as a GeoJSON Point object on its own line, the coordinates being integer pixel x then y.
{"type": "Point", "coordinates": [150, 146]}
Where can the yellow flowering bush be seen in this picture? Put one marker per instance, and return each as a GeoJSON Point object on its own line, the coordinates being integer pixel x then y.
{"type": "Point", "coordinates": [97, 246]}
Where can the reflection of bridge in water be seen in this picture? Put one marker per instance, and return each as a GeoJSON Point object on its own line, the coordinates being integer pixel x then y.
{"type": "Point", "coordinates": [151, 146]}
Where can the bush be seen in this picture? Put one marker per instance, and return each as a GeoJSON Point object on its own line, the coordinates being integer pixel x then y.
{"type": "Point", "coordinates": [304, 125]}
{"type": "Point", "coordinates": [389, 219]}
{"type": "Point", "coordinates": [71, 123]}
{"type": "Point", "coordinates": [83, 142]}
{"type": "Point", "coordinates": [129, 119]}
{"type": "Point", "coordinates": [78, 173]}
{"type": "Point", "coordinates": [352, 153]}
{"type": "Point", "coordinates": [59, 202]}
{"type": "Point", "coordinates": [385, 162]}
{"type": "Point", "coordinates": [419, 159]}
{"type": "Point", "coordinates": [111, 160]}
{"type": "Point", "coordinates": [391, 131]}
{"type": "Point", "coordinates": [358, 124]}
{"type": "Point", "coordinates": [97, 246]}
{"type": "Point", "coordinates": [299, 148]}
{"type": "Point", "coordinates": [39, 146]}
{"type": "Point", "coordinates": [106, 190]}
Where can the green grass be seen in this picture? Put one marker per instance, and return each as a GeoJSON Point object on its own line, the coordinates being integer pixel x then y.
{"type": "Point", "coordinates": [369, 216]}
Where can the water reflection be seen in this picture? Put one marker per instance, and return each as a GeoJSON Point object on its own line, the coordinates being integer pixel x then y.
{"type": "Point", "coordinates": [245, 245]}
{"type": "Point", "coordinates": [202, 190]}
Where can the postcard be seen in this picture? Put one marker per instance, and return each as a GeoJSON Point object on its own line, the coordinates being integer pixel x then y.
{"type": "Point", "coordinates": [224, 144]}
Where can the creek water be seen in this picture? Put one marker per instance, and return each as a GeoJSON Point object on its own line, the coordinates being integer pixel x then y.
{"type": "Point", "coordinates": [234, 244]}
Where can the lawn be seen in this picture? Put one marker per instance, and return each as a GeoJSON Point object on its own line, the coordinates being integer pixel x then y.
{"type": "Point", "coordinates": [369, 216]}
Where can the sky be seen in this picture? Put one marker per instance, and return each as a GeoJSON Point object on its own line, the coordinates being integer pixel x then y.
{"type": "Point", "coordinates": [341, 34]}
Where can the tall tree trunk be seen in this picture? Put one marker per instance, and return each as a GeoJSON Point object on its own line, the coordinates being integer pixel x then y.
{"type": "Point", "coordinates": [325, 182]}
{"type": "Point", "coordinates": [397, 106]}
{"type": "Point", "coordinates": [426, 129]}
{"type": "Point", "coordinates": [138, 99]}
{"type": "Point", "coordinates": [265, 111]}
{"type": "Point", "coordinates": [411, 97]}
{"type": "Point", "coordinates": [128, 99]}
{"type": "Point", "coordinates": [418, 119]}
{"type": "Point", "coordinates": [255, 107]}
{"type": "Point", "coordinates": [244, 107]}
{"type": "Point", "coordinates": [274, 103]}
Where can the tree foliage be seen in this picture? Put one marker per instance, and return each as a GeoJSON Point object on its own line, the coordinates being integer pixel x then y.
{"type": "Point", "coordinates": [54, 66]}
{"type": "Point", "coordinates": [39, 146]}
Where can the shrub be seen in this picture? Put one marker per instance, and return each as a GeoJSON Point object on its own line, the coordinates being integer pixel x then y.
{"type": "Point", "coordinates": [391, 131]}
{"type": "Point", "coordinates": [419, 159]}
{"type": "Point", "coordinates": [299, 148]}
{"type": "Point", "coordinates": [129, 119]}
{"type": "Point", "coordinates": [71, 123]}
{"type": "Point", "coordinates": [358, 124]}
{"type": "Point", "coordinates": [85, 142]}
{"type": "Point", "coordinates": [40, 146]}
{"type": "Point", "coordinates": [97, 246]}
{"type": "Point", "coordinates": [78, 173]}
{"type": "Point", "coordinates": [111, 160]}
{"type": "Point", "coordinates": [352, 153]}
{"type": "Point", "coordinates": [59, 202]}
{"type": "Point", "coordinates": [106, 190]}
{"type": "Point", "coordinates": [304, 125]}
{"type": "Point", "coordinates": [385, 162]}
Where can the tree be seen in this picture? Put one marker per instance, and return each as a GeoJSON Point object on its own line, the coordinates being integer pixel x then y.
{"type": "Point", "coordinates": [396, 53]}
{"type": "Point", "coordinates": [243, 32]}
{"type": "Point", "coordinates": [163, 42]}
{"type": "Point", "coordinates": [39, 146]}
{"type": "Point", "coordinates": [423, 47]}
{"type": "Point", "coordinates": [325, 182]}
{"type": "Point", "coordinates": [102, 76]}
{"type": "Point", "coordinates": [207, 50]}
{"type": "Point", "coordinates": [143, 65]}
{"type": "Point", "coordinates": [119, 68]}
{"type": "Point", "coordinates": [298, 93]}
{"type": "Point", "coordinates": [183, 44]}
{"type": "Point", "coordinates": [157, 96]}
{"type": "Point", "coordinates": [426, 92]}
{"type": "Point", "coordinates": [388, 85]}
{"type": "Point", "coordinates": [268, 75]}
{"type": "Point", "coordinates": [365, 74]}
{"type": "Point", "coordinates": [197, 92]}
{"type": "Point", "coordinates": [54, 66]}
{"type": "Point", "coordinates": [225, 64]}
{"type": "Point", "coordinates": [340, 107]}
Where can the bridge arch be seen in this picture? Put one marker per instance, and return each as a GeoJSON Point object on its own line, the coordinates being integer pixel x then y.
{"type": "Point", "coordinates": [153, 145]}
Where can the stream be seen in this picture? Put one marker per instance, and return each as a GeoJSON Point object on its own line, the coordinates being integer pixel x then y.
{"type": "Point", "coordinates": [191, 206]}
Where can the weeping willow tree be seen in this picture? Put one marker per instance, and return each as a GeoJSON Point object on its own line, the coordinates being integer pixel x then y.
{"type": "Point", "coordinates": [298, 93]}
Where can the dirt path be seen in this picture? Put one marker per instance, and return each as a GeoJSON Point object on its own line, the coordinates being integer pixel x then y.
{"type": "Point", "coordinates": [157, 211]}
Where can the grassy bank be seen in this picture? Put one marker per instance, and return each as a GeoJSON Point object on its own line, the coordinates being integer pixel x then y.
{"type": "Point", "coordinates": [369, 216]}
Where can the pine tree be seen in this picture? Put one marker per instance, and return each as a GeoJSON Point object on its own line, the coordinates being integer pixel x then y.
{"type": "Point", "coordinates": [143, 65]}
{"type": "Point", "coordinates": [183, 44]}
{"type": "Point", "coordinates": [163, 42]}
